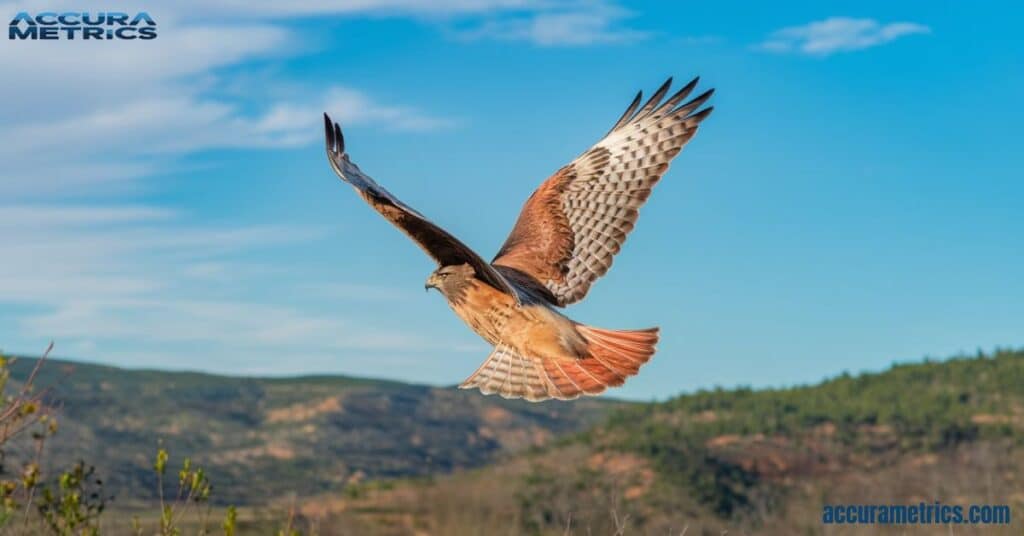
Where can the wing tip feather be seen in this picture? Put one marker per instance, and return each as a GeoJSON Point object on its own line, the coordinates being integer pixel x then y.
{"type": "Point", "coordinates": [333, 136]}
{"type": "Point", "coordinates": [657, 103]}
{"type": "Point", "coordinates": [703, 97]}
{"type": "Point", "coordinates": [655, 100]}
{"type": "Point", "coordinates": [328, 132]}
{"type": "Point", "coordinates": [701, 115]}
{"type": "Point", "coordinates": [630, 110]}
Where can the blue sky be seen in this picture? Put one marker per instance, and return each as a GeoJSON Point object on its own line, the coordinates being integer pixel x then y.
{"type": "Point", "coordinates": [854, 200]}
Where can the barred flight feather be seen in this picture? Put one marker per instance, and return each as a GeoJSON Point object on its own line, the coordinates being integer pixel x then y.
{"type": "Point", "coordinates": [576, 222]}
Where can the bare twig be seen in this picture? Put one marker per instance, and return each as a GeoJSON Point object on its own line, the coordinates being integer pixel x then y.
{"type": "Point", "coordinates": [620, 525]}
{"type": "Point", "coordinates": [25, 408]}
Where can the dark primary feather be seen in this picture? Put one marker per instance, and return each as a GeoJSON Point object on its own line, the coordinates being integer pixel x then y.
{"type": "Point", "coordinates": [436, 242]}
{"type": "Point", "coordinates": [655, 99]}
{"type": "Point", "coordinates": [629, 112]}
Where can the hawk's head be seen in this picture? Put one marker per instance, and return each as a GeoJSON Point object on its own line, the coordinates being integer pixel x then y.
{"type": "Point", "coordinates": [451, 280]}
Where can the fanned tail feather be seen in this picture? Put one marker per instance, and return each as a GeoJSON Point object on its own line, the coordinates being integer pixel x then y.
{"type": "Point", "coordinates": [507, 373]}
{"type": "Point", "coordinates": [612, 356]}
{"type": "Point", "coordinates": [622, 352]}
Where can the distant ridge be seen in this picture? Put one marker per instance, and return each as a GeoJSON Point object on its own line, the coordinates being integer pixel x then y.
{"type": "Point", "coordinates": [750, 461]}
{"type": "Point", "coordinates": [268, 437]}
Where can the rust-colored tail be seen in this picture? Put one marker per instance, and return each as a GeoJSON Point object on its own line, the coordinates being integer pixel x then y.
{"type": "Point", "coordinates": [612, 356]}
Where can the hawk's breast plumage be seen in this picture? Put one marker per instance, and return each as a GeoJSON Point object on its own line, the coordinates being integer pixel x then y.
{"type": "Point", "coordinates": [566, 237]}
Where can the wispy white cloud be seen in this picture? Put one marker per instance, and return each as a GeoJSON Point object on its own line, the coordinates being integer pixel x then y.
{"type": "Point", "coordinates": [175, 64]}
{"type": "Point", "coordinates": [148, 126]}
{"type": "Point", "coordinates": [364, 292]}
{"type": "Point", "coordinates": [299, 122]}
{"type": "Point", "coordinates": [108, 277]}
{"type": "Point", "coordinates": [177, 101]}
{"type": "Point", "coordinates": [59, 253]}
{"type": "Point", "coordinates": [238, 326]}
{"type": "Point", "coordinates": [22, 217]}
{"type": "Point", "coordinates": [541, 22]}
{"type": "Point", "coordinates": [435, 8]}
{"type": "Point", "coordinates": [173, 105]}
{"type": "Point", "coordinates": [147, 131]}
{"type": "Point", "coordinates": [838, 34]}
{"type": "Point", "coordinates": [579, 24]}
{"type": "Point", "coordinates": [57, 136]}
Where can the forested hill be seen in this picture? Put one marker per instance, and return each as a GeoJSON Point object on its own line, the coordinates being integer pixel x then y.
{"type": "Point", "coordinates": [268, 437]}
{"type": "Point", "coordinates": [747, 461]}
{"type": "Point", "coordinates": [737, 460]}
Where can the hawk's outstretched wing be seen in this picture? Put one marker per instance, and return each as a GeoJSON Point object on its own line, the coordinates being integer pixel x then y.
{"type": "Point", "coordinates": [577, 220]}
{"type": "Point", "coordinates": [443, 247]}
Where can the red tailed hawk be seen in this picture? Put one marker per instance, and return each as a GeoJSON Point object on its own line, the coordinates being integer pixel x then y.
{"type": "Point", "coordinates": [566, 236]}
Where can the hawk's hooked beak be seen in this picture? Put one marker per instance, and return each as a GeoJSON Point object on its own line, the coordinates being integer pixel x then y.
{"type": "Point", "coordinates": [431, 283]}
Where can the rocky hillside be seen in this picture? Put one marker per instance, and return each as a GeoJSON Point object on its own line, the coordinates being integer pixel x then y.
{"type": "Point", "coordinates": [263, 438]}
{"type": "Point", "coordinates": [369, 457]}
{"type": "Point", "coordinates": [743, 462]}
